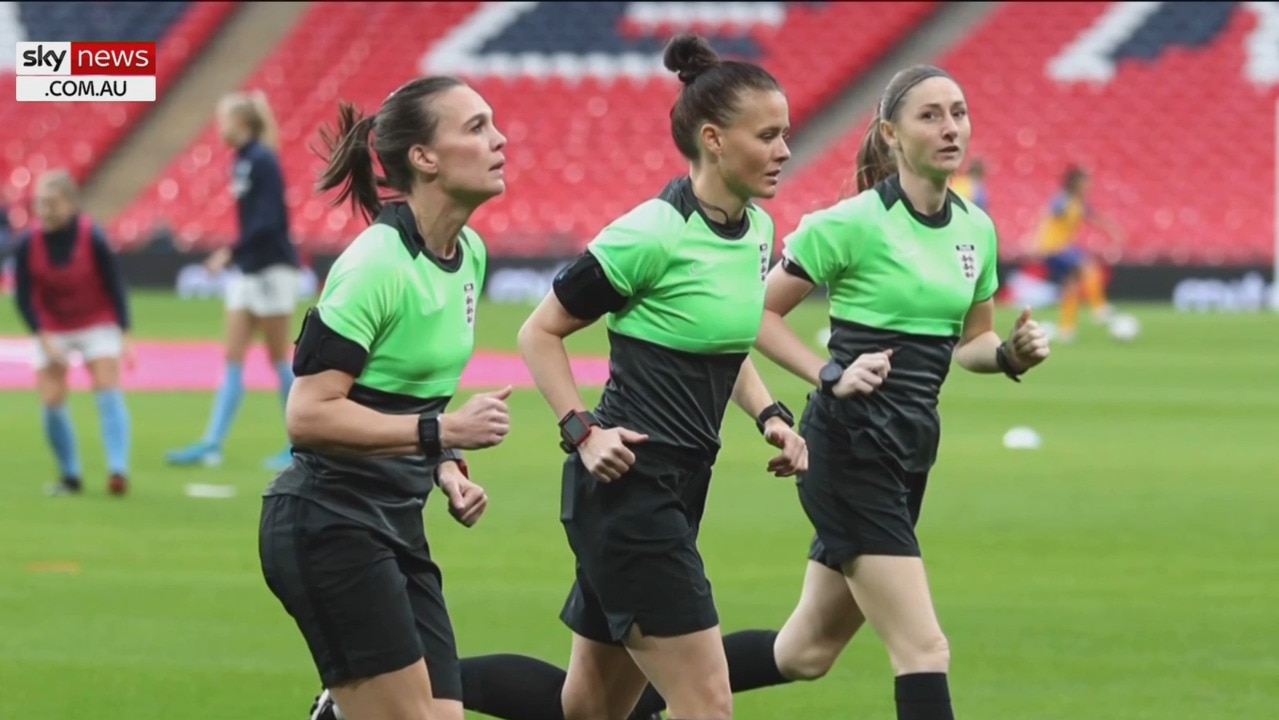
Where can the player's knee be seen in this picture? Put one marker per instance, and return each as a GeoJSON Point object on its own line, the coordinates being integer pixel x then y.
{"type": "Point", "coordinates": [928, 652]}
{"type": "Point", "coordinates": [710, 698]}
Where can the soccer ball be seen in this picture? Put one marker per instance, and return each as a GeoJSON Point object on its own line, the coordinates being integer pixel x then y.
{"type": "Point", "coordinates": [1124, 328]}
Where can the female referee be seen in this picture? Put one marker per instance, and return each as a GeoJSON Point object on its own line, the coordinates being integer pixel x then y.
{"type": "Point", "coordinates": [911, 269]}
{"type": "Point", "coordinates": [681, 278]}
{"type": "Point", "coordinates": [72, 298]}
{"type": "Point", "coordinates": [342, 541]}
{"type": "Point", "coordinates": [263, 293]}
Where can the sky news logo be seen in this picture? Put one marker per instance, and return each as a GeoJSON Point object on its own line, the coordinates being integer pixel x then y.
{"type": "Point", "coordinates": [85, 71]}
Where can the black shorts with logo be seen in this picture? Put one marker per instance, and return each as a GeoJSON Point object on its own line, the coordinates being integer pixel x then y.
{"type": "Point", "coordinates": [365, 604]}
{"type": "Point", "coordinates": [635, 540]}
{"type": "Point", "coordinates": [858, 498]}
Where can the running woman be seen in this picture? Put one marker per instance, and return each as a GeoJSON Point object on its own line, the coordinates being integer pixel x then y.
{"type": "Point", "coordinates": [343, 544]}
{"type": "Point", "coordinates": [681, 281]}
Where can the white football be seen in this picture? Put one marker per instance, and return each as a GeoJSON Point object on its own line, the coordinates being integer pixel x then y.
{"type": "Point", "coordinates": [1124, 328]}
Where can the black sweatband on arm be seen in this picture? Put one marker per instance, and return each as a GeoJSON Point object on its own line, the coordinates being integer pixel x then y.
{"type": "Point", "coordinates": [585, 291]}
{"type": "Point", "coordinates": [320, 348]}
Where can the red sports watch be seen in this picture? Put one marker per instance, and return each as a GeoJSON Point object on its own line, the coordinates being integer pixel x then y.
{"type": "Point", "coordinates": [575, 427]}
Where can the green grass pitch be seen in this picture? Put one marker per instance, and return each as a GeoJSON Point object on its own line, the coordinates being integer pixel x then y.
{"type": "Point", "coordinates": [1128, 570]}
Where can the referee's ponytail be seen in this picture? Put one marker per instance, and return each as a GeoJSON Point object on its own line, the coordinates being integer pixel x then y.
{"type": "Point", "coordinates": [405, 119]}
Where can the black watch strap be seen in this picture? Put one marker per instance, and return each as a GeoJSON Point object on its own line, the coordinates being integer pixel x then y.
{"type": "Point", "coordinates": [428, 436]}
{"type": "Point", "coordinates": [1006, 365]}
{"type": "Point", "coordinates": [777, 409]}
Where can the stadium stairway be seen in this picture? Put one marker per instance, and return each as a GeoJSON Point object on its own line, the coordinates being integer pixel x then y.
{"type": "Point", "coordinates": [182, 112]}
{"type": "Point", "coordinates": [928, 41]}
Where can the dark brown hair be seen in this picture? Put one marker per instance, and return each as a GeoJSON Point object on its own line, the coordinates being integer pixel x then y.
{"type": "Point", "coordinates": [1073, 175]}
{"type": "Point", "coordinates": [405, 119]}
{"type": "Point", "coordinates": [712, 88]}
{"type": "Point", "coordinates": [875, 159]}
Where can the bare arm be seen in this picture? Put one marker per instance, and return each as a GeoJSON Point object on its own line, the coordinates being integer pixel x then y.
{"type": "Point", "coordinates": [777, 340]}
{"type": "Point", "coordinates": [749, 392]}
{"type": "Point", "coordinates": [320, 416]}
{"type": "Point", "coordinates": [978, 342]}
{"type": "Point", "coordinates": [541, 341]}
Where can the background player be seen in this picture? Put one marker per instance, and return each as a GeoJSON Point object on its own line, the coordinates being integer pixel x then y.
{"type": "Point", "coordinates": [72, 297]}
{"type": "Point", "coordinates": [1069, 265]}
{"type": "Point", "coordinates": [343, 544]}
{"type": "Point", "coordinates": [971, 184]}
{"type": "Point", "coordinates": [263, 293]}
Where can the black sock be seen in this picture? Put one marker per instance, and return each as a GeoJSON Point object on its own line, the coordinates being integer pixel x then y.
{"type": "Point", "coordinates": [750, 666]}
{"type": "Point", "coordinates": [923, 696]}
{"type": "Point", "coordinates": [512, 687]}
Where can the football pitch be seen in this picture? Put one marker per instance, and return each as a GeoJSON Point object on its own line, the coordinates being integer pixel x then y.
{"type": "Point", "coordinates": [1128, 569]}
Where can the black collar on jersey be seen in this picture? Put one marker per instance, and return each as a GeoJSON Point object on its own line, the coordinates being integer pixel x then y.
{"type": "Point", "coordinates": [399, 215]}
{"type": "Point", "coordinates": [890, 191]}
{"type": "Point", "coordinates": [679, 193]}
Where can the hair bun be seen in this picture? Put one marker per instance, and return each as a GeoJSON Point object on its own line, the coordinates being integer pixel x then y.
{"type": "Point", "coordinates": [688, 56]}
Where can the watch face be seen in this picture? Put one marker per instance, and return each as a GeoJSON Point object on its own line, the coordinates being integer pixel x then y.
{"type": "Point", "coordinates": [575, 428]}
{"type": "Point", "coordinates": [831, 373]}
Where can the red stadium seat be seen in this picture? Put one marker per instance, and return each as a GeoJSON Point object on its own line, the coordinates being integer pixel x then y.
{"type": "Point", "coordinates": [580, 152]}
{"type": "Point", "coordinates": [1181, 148]}
{"type": "Point", "coordinates": [78, 136]}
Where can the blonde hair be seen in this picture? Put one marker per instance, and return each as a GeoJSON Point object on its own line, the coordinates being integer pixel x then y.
{"type": "Point", "coordinates": [255, 109]}
{"type": "Point", "coordinates": [60, 179]}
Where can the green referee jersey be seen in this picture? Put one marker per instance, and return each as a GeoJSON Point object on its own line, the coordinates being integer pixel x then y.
{"type": "Point", "coordinates": [414, 314]}
{"type": "Point", "coordinates": [904, 281]}
{"type": "Point", "coordinates": [695, 294]}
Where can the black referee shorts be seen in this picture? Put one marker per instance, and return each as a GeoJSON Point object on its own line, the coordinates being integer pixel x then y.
{"type": "Point", "coordinates": [635, 541]}
{"type": "Point", "coordinates": [859, 499]}
{"type": "Point", "coordinates": [364, 605]}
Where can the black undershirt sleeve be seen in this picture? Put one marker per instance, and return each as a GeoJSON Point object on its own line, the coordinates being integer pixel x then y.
{"type": "Point", "coordinates": [585, 291]}
{"type": "Point", "coordinates": [320, 348]}
{"type": "Point", "coordinates": [793, 268]}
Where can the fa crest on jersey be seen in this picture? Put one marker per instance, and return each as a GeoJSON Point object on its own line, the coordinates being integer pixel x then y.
{"type": "Point", "coordinates": [469, 289]}
{"type": "Point", "coordinates": [967, 260]}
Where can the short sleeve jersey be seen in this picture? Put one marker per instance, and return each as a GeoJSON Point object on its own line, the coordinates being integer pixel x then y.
{"type": "Point", "coordinates": [414, 314]}
{"type": "Point", "coordinates": [695, 300]}
{"type": "Point", "coordinates": [900, 280]}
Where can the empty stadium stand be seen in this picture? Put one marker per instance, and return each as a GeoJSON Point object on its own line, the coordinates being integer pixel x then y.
{"type": "Point", "coordinates": [79, 135]}
{"type": "Point", "coordinates": [577, 86]}
{"type": "Point", "coordinates": [1171, 105]}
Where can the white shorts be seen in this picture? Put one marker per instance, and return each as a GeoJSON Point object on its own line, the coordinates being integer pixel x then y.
{"type": "Point", "coordinates": [268, 292]}
{"type": "Point", "coordinates": [92, 343]}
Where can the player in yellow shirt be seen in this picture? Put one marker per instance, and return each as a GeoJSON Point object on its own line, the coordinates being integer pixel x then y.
{"type": "Point", "coordinates": [1069, 265]}
{"type": "Point", "coordinates": [971, 184]}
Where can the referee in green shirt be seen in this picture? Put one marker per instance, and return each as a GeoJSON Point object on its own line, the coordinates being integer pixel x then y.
{"type": "Point", "coordinates": [680, 279]}
{"type": "Point", "coordinates": [342, 540]}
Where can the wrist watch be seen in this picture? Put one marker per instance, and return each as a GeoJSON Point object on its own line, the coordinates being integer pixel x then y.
{"type": "Point", "coordinates": [575, 427]}
{"type": "Point", "coordinates": [1005, 364]}
{"type": "Point", "coordinates": [829, 375]}
{"type": "Point", "coordinates": [428, 435]}
{"type": "Point", "coordinates": [777, 409]}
